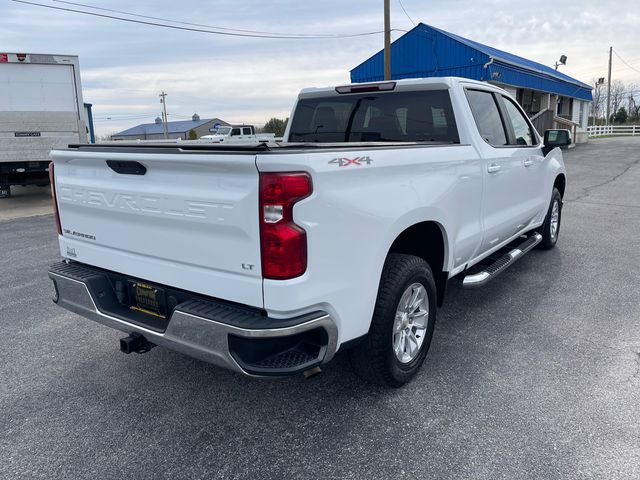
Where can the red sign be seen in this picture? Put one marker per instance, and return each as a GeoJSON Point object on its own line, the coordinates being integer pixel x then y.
{"type": "Point", "coordinates": [4, 57]}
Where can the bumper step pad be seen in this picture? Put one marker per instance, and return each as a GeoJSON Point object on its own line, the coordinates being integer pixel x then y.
{"type": "Point", "coordinates": [233, 336]}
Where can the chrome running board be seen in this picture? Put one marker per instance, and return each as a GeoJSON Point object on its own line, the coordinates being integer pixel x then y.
{"type": "Point", "coordinates": [491, 271]}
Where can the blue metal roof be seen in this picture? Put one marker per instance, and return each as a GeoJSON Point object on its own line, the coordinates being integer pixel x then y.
{"type": "Point", "coordinates": [172, 127]}
{"type": "Point", "coordinates": [427, 51]}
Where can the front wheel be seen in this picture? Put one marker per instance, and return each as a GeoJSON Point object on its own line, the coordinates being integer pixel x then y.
{"type": "Point", "coordinates": [551, 225]}
{"type": "Point", "coordinates": [402, 324]}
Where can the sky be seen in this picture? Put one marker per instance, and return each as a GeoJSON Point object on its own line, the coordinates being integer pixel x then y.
{"type": "Point", "coordinates": [124, 66]}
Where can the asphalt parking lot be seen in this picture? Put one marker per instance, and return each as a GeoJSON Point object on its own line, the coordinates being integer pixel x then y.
{"type": "Point", "coordinates": [24, 202]}
{"type": "Point", "coordinates": [535, 376]}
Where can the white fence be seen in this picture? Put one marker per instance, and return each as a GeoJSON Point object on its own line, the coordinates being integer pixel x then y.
{"type": "Point", "coordinates": [607, 130]}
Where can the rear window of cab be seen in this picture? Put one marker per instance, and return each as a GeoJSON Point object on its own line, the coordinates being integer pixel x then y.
{"type": "Point", "coordinates": [416, 116]}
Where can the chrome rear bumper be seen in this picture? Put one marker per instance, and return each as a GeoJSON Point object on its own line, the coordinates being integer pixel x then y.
{"type": "Point", "coordinates": [206, 329]}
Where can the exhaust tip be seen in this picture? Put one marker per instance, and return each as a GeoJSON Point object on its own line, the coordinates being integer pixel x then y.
{"type": "Point", "coordinates": [312, 372]}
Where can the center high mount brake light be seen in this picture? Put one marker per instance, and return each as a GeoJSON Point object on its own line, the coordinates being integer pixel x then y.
{"type": "Point", "coordinates": [368, 87]}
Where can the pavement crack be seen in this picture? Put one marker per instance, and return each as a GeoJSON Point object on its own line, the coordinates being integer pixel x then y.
{"type": "Point", "coordinates": [587, 190]}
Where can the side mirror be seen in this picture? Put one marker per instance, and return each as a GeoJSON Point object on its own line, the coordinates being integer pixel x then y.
{"type": "Point", "coordinates": [556, 138]}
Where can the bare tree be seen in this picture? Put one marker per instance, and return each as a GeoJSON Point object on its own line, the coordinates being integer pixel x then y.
{"type": "Point", "coordinates": [634, 101]}
{"type": "Point", "coordinates": [618, 92]}
{"type": "Point", "coordinates": [599, 98]}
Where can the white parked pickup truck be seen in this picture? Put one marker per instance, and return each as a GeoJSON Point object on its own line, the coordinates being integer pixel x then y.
{"type": "Point", "coordinates": [269, 258]}
{"type": "Point", "coordinates": [239, 134]}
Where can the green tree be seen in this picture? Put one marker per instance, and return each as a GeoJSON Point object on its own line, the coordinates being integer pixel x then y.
{"type": "Point", "coordinates": [192, 135]}
{"type": "Point", "coordinates": [621, 116]}
{"type": "Point", "coordinates": [275, 125]}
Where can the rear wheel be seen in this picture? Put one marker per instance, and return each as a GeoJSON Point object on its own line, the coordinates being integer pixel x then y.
{"type": "Point", "coordinates": [551, 225]}
{"type": "Point", "coordinates": [402, 323]}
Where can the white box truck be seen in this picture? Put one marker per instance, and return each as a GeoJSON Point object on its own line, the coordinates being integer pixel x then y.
{"type": "Point", "coordinates": [41, 108]}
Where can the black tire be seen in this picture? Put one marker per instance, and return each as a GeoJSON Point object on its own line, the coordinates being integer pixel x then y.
{"type": "Point", "coordinates": [374, 358]}
{"type": "Point", "coordinates": [548, 239]}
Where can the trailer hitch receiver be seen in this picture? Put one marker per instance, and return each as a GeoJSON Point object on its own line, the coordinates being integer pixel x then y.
{"type": "Point", "coordinates": [135, 343]}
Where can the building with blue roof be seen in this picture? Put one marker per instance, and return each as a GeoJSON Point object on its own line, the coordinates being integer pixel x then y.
{"type": "Point", "coordinates": [550, 98]}
{"type": "Point", "coordinates": [179, 129]}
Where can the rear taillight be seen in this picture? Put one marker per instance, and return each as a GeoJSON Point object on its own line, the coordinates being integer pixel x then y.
{"type": "Point", "coordinates": [54, 199]}
{"type": "Point", "coordinates": [283, 243]}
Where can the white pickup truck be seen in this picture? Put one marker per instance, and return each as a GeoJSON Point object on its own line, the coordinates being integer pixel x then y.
{"type": "Point", "coordinates": [268, 259]}
{"type": "Point", "coordinates": [239, 134]}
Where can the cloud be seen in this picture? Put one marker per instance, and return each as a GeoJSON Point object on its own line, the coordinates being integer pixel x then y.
{"type": "Point", "coordinates": [124, 66]}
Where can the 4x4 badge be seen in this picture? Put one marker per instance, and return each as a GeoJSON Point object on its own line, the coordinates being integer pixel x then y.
{"type": "Point", "coordinates": [345, 162]}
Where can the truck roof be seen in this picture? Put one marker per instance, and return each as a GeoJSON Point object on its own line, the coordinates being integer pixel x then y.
{"type": "Point", "coordinates": [40, 53]}
{"type": "Point", "coordinates": [406, 83]}
{"type": "Point", "coordinates": [38, 58]}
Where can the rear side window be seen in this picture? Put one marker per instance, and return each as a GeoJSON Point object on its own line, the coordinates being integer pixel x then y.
{"type": "Point", "coordinates": [521, 128]}
{"type": "Point", "coordinates": [246, 131]}
{"type": "Point", "coordinates": [423, 116]}
{"type": "Point", "coordinates": [487, 116]}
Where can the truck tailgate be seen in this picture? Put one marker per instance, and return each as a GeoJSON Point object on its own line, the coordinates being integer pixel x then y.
{"type": "Point", "coordinates": [189, 221]}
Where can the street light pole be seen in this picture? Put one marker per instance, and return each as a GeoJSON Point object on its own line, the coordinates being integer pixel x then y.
{"type": "Point", "coordinates": [387, 40]}
{"type": "Point", "coordinates": [164, 111]}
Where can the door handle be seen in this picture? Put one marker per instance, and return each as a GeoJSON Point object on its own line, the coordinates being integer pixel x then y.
{"type": "Point", "coordinates": [493, 168]}
{"type": "Point", "coordinates": [529, 161]}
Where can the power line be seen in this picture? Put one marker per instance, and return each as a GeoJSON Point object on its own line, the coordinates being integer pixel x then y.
{"type": "Point", "coordinates": [260, 32]}
{"type": "Point", "coordinates": [284, 36]}
{"type": "Point", "coordinates": [405, 12]}
{"type": "Point", "coordinates": [624, 61]}
{"type": "Point", "coordinates": [104, 118]}
{"type": "Point", "coordinates": [122, 117]}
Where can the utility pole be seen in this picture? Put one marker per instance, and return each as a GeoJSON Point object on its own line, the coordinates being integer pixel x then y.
{"type": "Point", "coordinates": [387, 40]}
{"type": "Point", "coordinates": [609, 87]}
{"type": "Point", "coordinates": [164, 113]}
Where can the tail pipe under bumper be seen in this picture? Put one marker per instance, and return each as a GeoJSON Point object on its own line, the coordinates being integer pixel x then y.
{"type": "Point", "coordinates": [240, 339]}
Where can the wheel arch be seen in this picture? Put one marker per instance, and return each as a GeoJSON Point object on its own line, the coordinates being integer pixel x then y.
{"type": "Point", "coordinates": [427, 240]}
{"type": "Point", "coordinates": [560, 183]}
